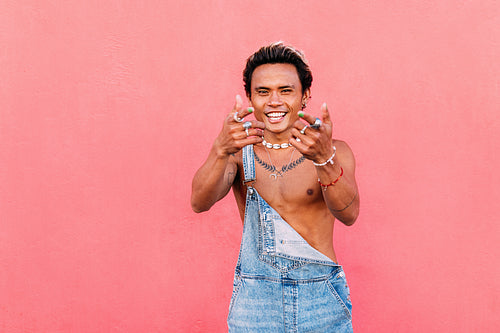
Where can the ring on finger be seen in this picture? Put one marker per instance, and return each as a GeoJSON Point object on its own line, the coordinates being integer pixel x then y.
{"type": "Point", "coordinates": [317, 123]}
{"type": "Point", "coordinates": [303, 131]}
{"type": "Point", "coordinates": [246, 131]}
{"type": "Point", "coordinates": [236, 118]}
{"type": "Point", "coordinates": [247, 124]}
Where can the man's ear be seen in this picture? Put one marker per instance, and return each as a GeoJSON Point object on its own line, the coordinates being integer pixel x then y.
{"type": "Point", "coordinates": [305, 96]}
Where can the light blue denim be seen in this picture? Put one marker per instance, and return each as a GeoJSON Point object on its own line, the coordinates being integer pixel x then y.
{"type": "Point", "coordinates": [281, 283]}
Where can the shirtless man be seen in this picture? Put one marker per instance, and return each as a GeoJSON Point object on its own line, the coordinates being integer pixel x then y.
{"type": "Point", "coordinates": [298, 181]}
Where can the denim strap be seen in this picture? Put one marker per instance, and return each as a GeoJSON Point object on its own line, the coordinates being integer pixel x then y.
{"type": "Point", "coordinates": [248, 164]}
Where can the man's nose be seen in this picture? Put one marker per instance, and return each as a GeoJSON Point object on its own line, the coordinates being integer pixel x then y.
{"type": "Point", "coordinates": [274, 99]}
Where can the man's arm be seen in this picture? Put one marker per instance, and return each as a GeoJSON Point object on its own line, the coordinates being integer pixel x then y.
{"type": "Point", "coordinates": [339, 186]}
{"type": "Point", "coordinates": [216, 176]}
{"type": "Point", "coordinates": [337, 178]}
{"type": "Point", "coordinates": [212, 181]}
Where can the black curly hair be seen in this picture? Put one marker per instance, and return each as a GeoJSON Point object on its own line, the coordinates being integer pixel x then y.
{"type": "Point", "coordinates": [278, 53]}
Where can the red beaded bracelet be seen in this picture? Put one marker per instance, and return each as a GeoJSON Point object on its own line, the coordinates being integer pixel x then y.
{"type": "Point", "coordinates": [332, 183]}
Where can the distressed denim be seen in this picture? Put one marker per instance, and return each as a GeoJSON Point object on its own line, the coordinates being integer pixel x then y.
{"type": "Point", "coordinates": [281, 283]}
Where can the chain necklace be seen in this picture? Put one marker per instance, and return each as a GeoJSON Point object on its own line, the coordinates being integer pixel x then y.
{"type": "Point", "coordinates": [284, 168]}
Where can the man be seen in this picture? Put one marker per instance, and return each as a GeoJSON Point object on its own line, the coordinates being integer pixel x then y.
{"type": "Point", "coordinates": [291, 182]}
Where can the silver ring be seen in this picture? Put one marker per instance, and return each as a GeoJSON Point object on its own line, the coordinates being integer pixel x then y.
{"type": "Point", "coordinates": [247, 124]}
{"type": "Point", "coordinates": [236, 118]}
{"type": "Point", "coordinates": [317, 123]}
{"type": "Point", "coordinates": [303, 131]}
{"type": "Point", "coordinates": [246, 131]}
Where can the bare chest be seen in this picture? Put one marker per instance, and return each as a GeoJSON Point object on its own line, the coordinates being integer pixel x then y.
{"type": "Point", "coordinates": [287, 183]}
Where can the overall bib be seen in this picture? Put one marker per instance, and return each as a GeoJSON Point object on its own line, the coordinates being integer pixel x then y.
{"type": "Point", "coordinates": [281, 283]}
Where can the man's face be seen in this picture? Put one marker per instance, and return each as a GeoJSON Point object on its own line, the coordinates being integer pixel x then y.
{"type": "Point", "coordinates": [276, 95]}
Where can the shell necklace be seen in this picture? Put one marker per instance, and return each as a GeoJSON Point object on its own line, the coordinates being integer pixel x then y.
{"type": "Point", "coordinates": [276, 145]}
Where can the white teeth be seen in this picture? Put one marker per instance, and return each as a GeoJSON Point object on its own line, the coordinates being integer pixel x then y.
{"type": "Point", "coordinates": [276, 114]}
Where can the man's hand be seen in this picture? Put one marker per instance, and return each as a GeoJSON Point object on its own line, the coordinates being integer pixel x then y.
{"type": "Point", "coordinates": [234, 136]}
{"type": "Point", "coordinates": [314, 144]}
{"type": "Point", "coordinates": [216, 176]}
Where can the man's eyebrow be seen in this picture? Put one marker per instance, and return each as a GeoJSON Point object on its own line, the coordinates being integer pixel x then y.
{"type": "Point", "coordinates": [261, 87]}
{"type": "Point", "coordinates": [280, 87]}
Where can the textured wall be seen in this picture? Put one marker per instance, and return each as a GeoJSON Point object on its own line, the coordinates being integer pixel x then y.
{"type": "Point", "coordinates": [107, 108]}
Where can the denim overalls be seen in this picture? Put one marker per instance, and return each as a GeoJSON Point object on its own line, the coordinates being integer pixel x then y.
{"type": "Point", "coordinates": [281, 283]}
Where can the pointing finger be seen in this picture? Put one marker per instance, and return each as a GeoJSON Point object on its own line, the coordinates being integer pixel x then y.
{"type": "Point", "coordinates": [325, 114]}
{"type": "Point", "coordinates": [239, 114]}
{"type": "Point", "coordinates": [238, 103]}
{"type": "Point", "coordinates": [237, 107]}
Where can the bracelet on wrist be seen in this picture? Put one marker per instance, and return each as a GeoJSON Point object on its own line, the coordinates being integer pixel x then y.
{"type": "Point", "coordinates": [330, 160]}
{"type": "Point", "coordinates": [325, 186]}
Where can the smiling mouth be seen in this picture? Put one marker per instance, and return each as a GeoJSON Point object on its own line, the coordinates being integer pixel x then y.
{"type": "Point", "coordinates": [276, 117]}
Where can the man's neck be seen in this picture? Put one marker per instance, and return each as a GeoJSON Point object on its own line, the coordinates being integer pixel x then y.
{"type": "Point", "coordinates": [278, 138]}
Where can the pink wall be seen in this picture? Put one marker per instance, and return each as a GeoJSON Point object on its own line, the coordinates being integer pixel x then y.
{"type": "Point", "coordinates": [107, 108]}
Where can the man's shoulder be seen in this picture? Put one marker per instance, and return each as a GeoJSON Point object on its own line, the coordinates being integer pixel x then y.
{"type": "Point", "coordinates": [344, 153]}
{"type": "Point", "coordinates": [339, 143]}
{"type": "Point", "coordinates": [341, 146]}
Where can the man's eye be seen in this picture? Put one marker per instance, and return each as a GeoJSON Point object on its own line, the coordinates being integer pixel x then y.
{"type": "Point", "coordinates": [262, 92]}
{"type": "Point", "coordinates": [286, 91]}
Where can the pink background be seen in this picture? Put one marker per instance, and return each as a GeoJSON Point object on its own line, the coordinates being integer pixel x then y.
{"type": "Point", "coordinates": [107, 108]}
